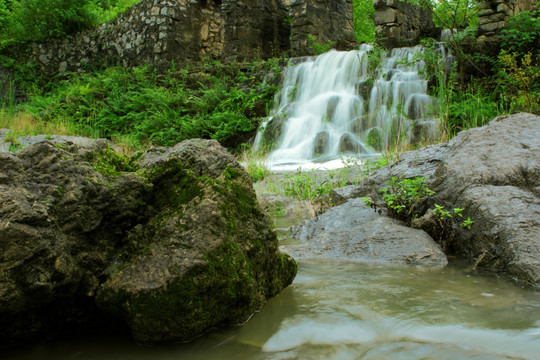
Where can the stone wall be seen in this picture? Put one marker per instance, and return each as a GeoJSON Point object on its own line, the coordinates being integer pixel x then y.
{"type": "Point", "coordinates": [255, 29]}
{"type": "Point", "coordinates": [138, 36]}
{"type": "Point", "coordinates": [325, 20]}
{"type": "Point", "coordinates": [492, 17]}
{"type": "Point", "coordinates": [162, 31]}
{"type": "Point", "coordinates": [401, 24]}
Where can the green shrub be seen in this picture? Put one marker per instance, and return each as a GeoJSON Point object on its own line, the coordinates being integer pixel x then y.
{"type": "Point", "coordinates": [522, 33]}
{"type": "Point", "coordinates": [34, 20]}
{"type": "Point", "coordinates": [364, 25]}
{"type": "Point", "coordinates": [319, 48]}
{"type": "Point", "coordinates": [403, 197]}
{"type": "Point", "coordinates": [37, 20]}
{"type": "Point", "coordinates": [157, 109]}
{"type": "Point", "coordinates": [257, 171]}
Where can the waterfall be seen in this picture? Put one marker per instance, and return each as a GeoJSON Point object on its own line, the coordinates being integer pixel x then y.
{"type": "Point", "coordinates": [334, 104]}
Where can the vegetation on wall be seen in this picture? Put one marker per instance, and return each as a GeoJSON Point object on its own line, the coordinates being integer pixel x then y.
{"type": "Point", "coordinates": [37, 20]}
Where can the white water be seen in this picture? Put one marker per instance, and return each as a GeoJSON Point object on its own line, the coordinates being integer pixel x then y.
{"type": "Point", "coordinates": [334, 106]}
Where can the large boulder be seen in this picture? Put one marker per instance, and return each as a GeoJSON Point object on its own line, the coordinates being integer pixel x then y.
{"type": "Point", "coordinates": [355, 232]}
{"type": "Point", "coordinates": [170, 243]}
{"type": "Point", "coordinates": [493, 173]}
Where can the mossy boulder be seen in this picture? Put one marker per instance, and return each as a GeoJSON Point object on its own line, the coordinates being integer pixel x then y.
{"type": "Point", "coordinates": [171, 242]}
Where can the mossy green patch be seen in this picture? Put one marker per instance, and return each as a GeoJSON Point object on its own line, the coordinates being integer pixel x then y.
{"type": "Point", "coordinates": [174, 184]}
{"type": "Point", "coordinates": [111, 164]}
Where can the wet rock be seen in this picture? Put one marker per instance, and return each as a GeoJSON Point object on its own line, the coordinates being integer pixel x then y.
{"type": "Point", "coordinates": [171, 243]}
{"type": "Point", "coordinates": [347, 144]}
{"type": "Point", "coordinates": [353, 231]}
{"type": "Point", "coordinates": [273, 131]}
{"type": "Point", "coordinates": [493, 173]}
{"type": "Point", "coordinates": [321, 144]}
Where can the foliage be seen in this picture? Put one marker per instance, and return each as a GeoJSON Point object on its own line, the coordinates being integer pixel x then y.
{"type": "Point", "coordinates": [451, 14]}
{"type": "Point", "coordinates": [257, 171]}
{"type": "Point", "coordinates": [375, 57]}
{"type": "Point", "coordinates": [149, 108]}
{"type": "Point", "coordinates": [522, 33]}
{"type": "Point", "coordinates": [404, 196]}
{"type": "Point", "coordinates": [364, 26]}
{"type": "Point", "coordinates": [36, 20]}
{"type": "Point", "coordinates": [32, 20]}
{"type": "Point", "coordinates": [319, 48]}
{"type": "Point", "coordinates": [455, 215]}
{"type": "Point", "coordinates": [473, 106]}
{"type": "Point", "coordinates": [519, 78]}
{"type": "Point", "coordinates": [310, 186]}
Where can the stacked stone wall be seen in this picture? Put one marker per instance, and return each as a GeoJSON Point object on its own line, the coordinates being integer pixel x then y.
{"type": "Point", "coordinates": [162, 31]}
{"type": "Point", "coordinates": [401, 24]}
{"type": "Point", "coordinates": [325, 20]}
{"type": "Point", "coordinates": [492, 17]}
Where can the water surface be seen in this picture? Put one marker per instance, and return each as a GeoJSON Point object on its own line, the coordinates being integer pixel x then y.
{"type": "Point", "coordinates": [346, 310]}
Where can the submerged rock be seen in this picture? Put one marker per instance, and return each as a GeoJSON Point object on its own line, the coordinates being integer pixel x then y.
{"type": "Point", "coordinates": [353, 231]}
{"type": "Point", "coordinates": [171, 243]}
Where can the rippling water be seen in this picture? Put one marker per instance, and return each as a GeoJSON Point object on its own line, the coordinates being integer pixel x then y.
{"type": "Point", "coordinates": [344, 310]}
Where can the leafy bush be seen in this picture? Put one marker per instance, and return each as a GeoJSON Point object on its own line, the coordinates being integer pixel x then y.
{"type": "Point", "coordinates": [404, 197]}
{"type": "Point", "coordinates": [37, 20]}
{"type": "Point", "coordinates": [257, 171]}
{"type": "Point", "coordinates": [32, 20]}
{"type": "Point", "coordinates": [309, 186]}
{"type": "Point", "coordinates": [519, 80]}
{"type": "Point", "coordinates": [364, 26]}
{"type": "Point", "coordinates": [319, 48]}
{"type": "Point", "coordinates": [522, 33]}
{"type": "Point", "coordinates": [154, 109]}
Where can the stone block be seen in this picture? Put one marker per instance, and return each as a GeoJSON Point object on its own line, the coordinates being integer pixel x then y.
{"type": "Point", "coordinates": [485, 12]}
{"type": "Point", "coordinates": [385, 16]}
{"type": "Point", "coordinates": [503, 8]}
{"type": "Point", "coordinates": [491, 26]}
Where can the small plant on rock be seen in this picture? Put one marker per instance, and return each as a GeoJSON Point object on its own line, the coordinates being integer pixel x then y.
{"type": "Point", "coordinates": [404, 196]}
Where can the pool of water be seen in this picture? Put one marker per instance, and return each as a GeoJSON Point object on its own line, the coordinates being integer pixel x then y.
{"type": "Point", "coordinates": [347, 310]}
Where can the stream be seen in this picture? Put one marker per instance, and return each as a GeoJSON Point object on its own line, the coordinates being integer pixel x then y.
{"type": "Point", "coordinates": [347, 310]}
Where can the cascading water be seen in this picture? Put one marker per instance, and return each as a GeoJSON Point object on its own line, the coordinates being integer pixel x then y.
{"type": "Point", "coordinates": [334, 104]}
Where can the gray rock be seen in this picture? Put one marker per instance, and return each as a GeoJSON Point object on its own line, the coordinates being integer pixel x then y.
{"type": "Point", "coordinates": [493, 172]}
{"type": "Point", "coordinates": [353, 231]}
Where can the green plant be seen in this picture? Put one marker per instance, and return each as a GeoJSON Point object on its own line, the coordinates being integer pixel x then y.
{"type": "Point", "coordinates": [35, 20]}
{"type": "Point", "coordinates": [520, 79]}
{"type": "Point", "coordinates": [140, 107]}
{"type": "Point", "coordinates": [447, 221]}
{"type": "Point", "coordinates": [403, 197]}
{"type": "Point", "coordinates": [310, 185]}
{"type": "Point", "coordinates": [257, 171]}
{"type": "Point", "coordinates": [521, 33]}
{"type": "Point", "coordinates": [31, 20]}
{"type": "Point", "coordinates": [364, 26]}
{"type": "Point", "coordinates": [319, 47]}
